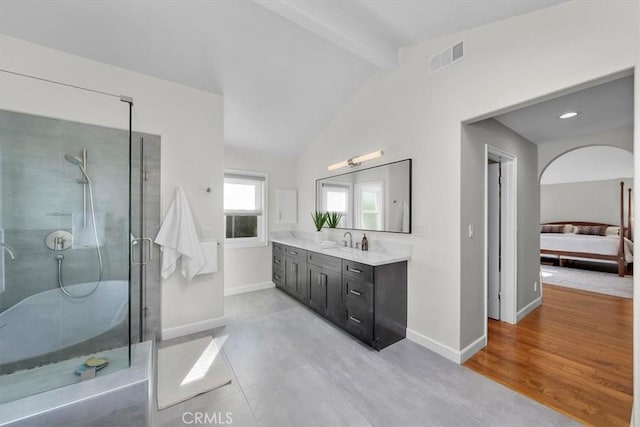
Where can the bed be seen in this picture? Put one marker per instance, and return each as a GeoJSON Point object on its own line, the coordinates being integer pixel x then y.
{"type": "Point", "coordinates": [592, 241]}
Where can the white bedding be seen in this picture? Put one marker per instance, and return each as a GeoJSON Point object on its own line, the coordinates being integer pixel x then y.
{"type": "Point", "coordinates": [569, 242]}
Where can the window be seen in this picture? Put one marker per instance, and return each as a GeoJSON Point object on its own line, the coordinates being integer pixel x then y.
{"type": "Point", "coordinates": [335, 198]}
{"type": "Point", "coordinates": [370, 203]}
{"type": "Point", "coordinates": [244, 209]}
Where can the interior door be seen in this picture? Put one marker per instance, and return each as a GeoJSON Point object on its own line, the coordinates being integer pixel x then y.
{"type": "Point", "coordinates": [493, 241]}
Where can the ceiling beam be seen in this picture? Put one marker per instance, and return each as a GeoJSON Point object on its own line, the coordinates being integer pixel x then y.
{"type": "Point", "coordinates": [328, 21]}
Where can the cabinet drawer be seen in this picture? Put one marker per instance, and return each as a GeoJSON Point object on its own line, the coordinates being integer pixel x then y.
{"type": "Point", "coordinates": [359, 322]}
{"type": "Point", "coordinates": [278, 277]}
{"type": "Point", "coordinates": [277, 261]}
{"type": "Point", "coordinates": [357, 293]}
{"type": "Point", "coordinates": [357, 271]}
{"type": "Point", "coordinates": [325, 261]}
{"type": "Point", "coordinates": [278, 248]}
{"type": "Point", "coordinates": [299, 255]}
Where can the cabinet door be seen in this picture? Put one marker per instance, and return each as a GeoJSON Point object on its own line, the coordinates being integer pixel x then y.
{"type": "Point", "coordinates": [295, 278]}
{"type": "Point", "coordinates": [290, 275]}
{"type": "Point", "coordinates": [333, 295]}
{"type": "Point", "coordinates": [301, 286]}
{"type": "Point", "coordinates": [287, 203]}
{"type": "Point", "coordinates": [317, 289]}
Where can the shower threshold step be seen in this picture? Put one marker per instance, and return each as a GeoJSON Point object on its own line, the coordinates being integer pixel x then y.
{"type": "Point", "coordinates": [58, 404]}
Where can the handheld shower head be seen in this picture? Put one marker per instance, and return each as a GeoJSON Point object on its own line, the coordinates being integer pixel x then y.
{"type": "Point", "coordinates": [77, 161]}
{"type": "Point", "coordinates": [74, 160]}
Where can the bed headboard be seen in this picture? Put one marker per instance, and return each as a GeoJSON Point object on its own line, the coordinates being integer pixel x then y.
{"type": "Point", "coordinates": [589, 223]}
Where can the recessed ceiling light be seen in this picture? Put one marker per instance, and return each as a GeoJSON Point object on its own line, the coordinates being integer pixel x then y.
{"type": "Point", "coordinates": [568, 115]}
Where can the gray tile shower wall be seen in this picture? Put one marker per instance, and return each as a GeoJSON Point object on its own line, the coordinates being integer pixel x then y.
{"type": "Point", "coordinates": [40, 193]}
{"type": "Point", "coordinates": [145, 222]}
{"type": "Point", "coordinates": [151, 222]}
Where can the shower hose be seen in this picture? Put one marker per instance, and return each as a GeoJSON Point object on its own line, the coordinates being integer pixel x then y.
{"type": "Point", "coordinates": [60, 257]}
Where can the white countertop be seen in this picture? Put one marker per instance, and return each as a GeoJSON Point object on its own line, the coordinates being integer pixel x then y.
{"type": "Point", "coordinates": [351, 254]}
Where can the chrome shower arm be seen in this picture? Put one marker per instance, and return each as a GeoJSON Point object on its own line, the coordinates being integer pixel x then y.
{"type": "Point", "coordinates": [9, 249]}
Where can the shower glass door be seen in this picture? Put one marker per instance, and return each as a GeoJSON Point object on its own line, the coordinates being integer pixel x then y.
{"type": "Point", "coordinates": [64, 260]}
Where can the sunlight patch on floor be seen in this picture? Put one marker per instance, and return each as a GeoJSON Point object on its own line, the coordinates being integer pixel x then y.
{"type": "Point", "coordinates": [204, 362]}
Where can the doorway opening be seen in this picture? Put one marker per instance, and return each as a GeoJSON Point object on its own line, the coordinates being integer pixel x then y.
{"type": "Point", "coordinates": [501, 193]}
{"type": "Point", "coordinates": [573, 351]}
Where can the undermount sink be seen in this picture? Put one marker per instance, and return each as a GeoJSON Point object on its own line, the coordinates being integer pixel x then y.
{"type": "Point", "coordinates": [342, 250]}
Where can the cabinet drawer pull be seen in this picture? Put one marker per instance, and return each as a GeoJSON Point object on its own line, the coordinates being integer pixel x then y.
{"type": "Point", "coordinates": [351, 291]}
{"type": "Point", "coordinates": [294, 253]}
{"type": "Point", "coordinates": [276, 276]}
{"type": "Point", "coordinates": [277, 261]}
{"type": "Point", "coordinates": [355, 270]}
{"type": "Point", "coordinates": [353, 319]}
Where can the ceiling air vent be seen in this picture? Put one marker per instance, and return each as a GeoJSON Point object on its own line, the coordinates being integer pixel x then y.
{"type": "Point", "coordinates": [447, 57]}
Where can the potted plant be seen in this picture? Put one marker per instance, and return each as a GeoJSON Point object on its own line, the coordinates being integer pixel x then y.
{"type": "Point", "coordinates": [319, 219]}
{"type": "Point", "coordinates": [333, 219]}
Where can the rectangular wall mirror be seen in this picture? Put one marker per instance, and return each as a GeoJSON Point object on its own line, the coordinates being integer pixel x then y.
{"type": "Point", "coordinates": [373, 199]}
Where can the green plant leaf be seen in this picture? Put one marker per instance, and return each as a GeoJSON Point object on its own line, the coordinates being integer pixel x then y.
{"type": "Point", "coordinates": [319, 219]}
{"type": "Point", "coordinates": [333, 219]}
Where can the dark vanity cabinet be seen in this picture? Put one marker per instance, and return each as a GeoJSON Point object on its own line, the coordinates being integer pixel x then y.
{"type": "Point", "coordinates": [295, 273]}
{"type": "Point", "coordinates": [375, 302]}
{"type": "Point", "coordinates": [325, 284]}
{"type": "Point", "coordinates": [289, 271]}
{"type": "Point", "coordinates": [368, 302]}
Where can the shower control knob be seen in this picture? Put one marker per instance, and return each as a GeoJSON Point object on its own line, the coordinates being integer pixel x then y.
{"type": "Point", "coordinates": [58, 240]}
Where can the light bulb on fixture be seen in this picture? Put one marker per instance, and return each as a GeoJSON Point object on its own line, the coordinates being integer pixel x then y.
{"type": "Point", "coordinates": [355, 161]}
{"type": "Point", "coordinates": [568, 115]}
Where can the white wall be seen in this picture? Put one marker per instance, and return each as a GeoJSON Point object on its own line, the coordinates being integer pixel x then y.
{"type": "Point", "coordinates": [589, 164]}
{"type": "Point", "coordinates": [248, 268]}
{"type": "Point", "coordinates": [409, 113]}
{"type": "Point", "coordinates": [189, 121]}
{"type": "Point", "coordinates": [549, 151]}
{"type": "Point", "coordinates": [597, 201]}
{"type": "Point", "coordinates": [474, 138]}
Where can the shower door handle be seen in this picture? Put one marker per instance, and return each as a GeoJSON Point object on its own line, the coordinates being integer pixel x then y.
{"type": "Point", "coordinates": [141, 241]}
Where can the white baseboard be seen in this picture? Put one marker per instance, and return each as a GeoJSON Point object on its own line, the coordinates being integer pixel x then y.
{"type": "Point", "coordinates": [433, 345]}
{"type": "Point", "coordinates": [473, 348]}
{"type": "Point", "coordinates": [248, 288]}
{"type": "Point", "coordinates": [192, 328]}
{"type": "Point", "coordinates": [528, 309]}
{"type": "Point", "coordinates": [456, 356]}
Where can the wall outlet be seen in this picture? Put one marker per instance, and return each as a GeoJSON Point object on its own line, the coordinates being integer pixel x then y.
{"type": "Point", "coordinates": [535, 286]}
{"type": "Point", "coordinates": [420, 230]}
{"type": "Point", "coordinates": [471, 231]}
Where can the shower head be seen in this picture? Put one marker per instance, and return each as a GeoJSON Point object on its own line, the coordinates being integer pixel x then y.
{"type": "Point", "coordinates": [77, 161]}
{"type": "Point", "coordinates": [74, 160]}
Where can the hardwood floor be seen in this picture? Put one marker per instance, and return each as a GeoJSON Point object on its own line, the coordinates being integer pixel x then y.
{"type": "Point", "coordinates": [573, 354]}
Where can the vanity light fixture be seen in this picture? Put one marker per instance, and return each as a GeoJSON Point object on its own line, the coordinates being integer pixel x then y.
{"type": "Point", "coordinates": [355, 161]}
{"type": "Point", "coordinates": [568, 115]}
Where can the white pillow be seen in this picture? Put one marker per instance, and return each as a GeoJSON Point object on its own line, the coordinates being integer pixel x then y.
{"type": "Point", "coordinates": [612, 231]}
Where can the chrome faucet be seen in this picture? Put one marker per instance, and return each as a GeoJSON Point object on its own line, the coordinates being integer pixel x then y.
{"type": "Point", "coordinates": [9, 249]}
{"type": "Point", "coordinates": [350, 239]}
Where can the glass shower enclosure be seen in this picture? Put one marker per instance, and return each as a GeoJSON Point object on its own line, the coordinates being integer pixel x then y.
{"type": "Point", "coordinates": [65, 235]}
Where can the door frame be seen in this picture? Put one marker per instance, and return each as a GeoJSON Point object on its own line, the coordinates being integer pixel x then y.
{"type": "Point", "coordinates": [509, 239]}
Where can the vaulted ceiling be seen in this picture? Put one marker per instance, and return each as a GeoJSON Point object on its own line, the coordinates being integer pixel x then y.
{"type": "Point", "coordinates": [284, 67]}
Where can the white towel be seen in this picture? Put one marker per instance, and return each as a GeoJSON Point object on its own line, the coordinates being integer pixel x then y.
{"type": "Point", "coordinates": [179, 238]}
{"type": "Point", "coordinates": [210, 250]}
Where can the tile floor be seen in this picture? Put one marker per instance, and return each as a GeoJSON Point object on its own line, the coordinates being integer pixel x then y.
{"type": "Point", "coordinates": [292, 368]}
